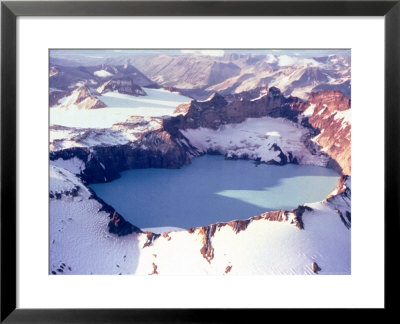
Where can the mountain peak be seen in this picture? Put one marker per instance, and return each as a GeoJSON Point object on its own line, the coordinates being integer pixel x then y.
{"type": "Point", "coordinates": [274, 91]}
{"type": "Point", "coordinates": [122, 84]}
{"type": "Point", "coordinates": [217, 100]}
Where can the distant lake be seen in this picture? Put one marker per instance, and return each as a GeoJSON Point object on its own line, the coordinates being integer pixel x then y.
{"type": "Point", "coordinates": [212, 189]}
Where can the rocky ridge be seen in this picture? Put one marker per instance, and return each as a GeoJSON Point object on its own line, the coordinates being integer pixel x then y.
{"type": "Point", "coordinates": [217, 111]}
{"type": "Point", "coordinates": [297, 77]}
{"type": "Point", "coordinates": [202, 243]}
{"type": "Point", "coordinates": [123, 85]}
{"type": "Point", "coordinates": [331, 115]}
{"type": "Point", "coordinates": [160, 142]}
{"type": "Point", "coordinates": [80, 98]}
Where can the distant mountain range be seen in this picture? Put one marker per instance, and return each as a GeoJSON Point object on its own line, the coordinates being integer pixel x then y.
{"type": "Point", "coordinates": [199, 76]}
{"type": "Point", "coordinates": [163, 111]}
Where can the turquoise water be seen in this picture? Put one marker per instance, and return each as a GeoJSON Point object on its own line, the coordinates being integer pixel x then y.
{"type": "Point", "coordinates": [211, 190]}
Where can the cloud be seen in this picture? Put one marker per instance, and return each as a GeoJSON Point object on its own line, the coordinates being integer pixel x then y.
{"type": "Point", "coordinates": [286, 60]}
{"type": "Point", "coordinates": [271, 58]}
{"type": "Point", "coordinates": [204, 52]}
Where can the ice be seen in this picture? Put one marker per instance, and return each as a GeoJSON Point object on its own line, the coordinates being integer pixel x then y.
{"type": "Point", "coordinates": [255, 138]}
{"type": "Point", "coordinates": [119, 108]}
{"type": "Point", "coordinates": [102, 73]}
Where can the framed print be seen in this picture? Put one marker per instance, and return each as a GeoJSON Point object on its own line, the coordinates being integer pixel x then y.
{"type": "Point", "coordinates": [193, 155]}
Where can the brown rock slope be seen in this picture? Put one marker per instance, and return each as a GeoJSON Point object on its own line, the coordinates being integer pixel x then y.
{"type": "Point", "coordinates": [82, 98]}
{"type": "Point", "coordinates": [331, 116]}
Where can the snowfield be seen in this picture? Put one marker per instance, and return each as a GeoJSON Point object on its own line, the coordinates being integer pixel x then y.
{"type": "Point", "coordinates": [255, 138]}
{"type": "Point", "coordinates": [102, 73]}
{"type": "Point", "coordinates": [74, 165]}
{"type": "Point", "coordinates": [120, 107]}
{"type": "Point", "coordinates": [118, 134]}
{"type": "Point", "coordinates": [80, 242]}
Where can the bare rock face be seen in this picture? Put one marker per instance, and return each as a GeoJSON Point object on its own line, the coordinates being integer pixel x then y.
{"type": "Point", "coordinates": [315, 268]}
{"type": "Point", "coordinates": [123, 85]}
{"type": "Point", "coordinates": [247, 95]}
{"type": "Point", "coordinates": [53, 71]}
{"type": "Point", "coordinates": [82, 98]}
{"type": "Point", "coordinates": [118, 225]}
{"type": "Point", "coordinates": [330, 120]}
{"type": "Point", "coordinates": [331, 116]}
{"type": "Point", "coordinates": [207, 233]}
{"type": "Point", "coordinates": [154, 149]}
{"type": "Point", "coordinates": [334, 99]}
{"type": "Point", "coordinates": [55, 96]}
{"type": "Point", "coordinates": [217, 111]}
{"type": "Point", "coordinates": [154, 269]}
{"type": "Point", "coordinates": [151, 237]}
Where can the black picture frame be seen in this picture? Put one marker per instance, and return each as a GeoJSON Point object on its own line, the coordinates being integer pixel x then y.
{"type": "Point", "coordinates": [10, 10]}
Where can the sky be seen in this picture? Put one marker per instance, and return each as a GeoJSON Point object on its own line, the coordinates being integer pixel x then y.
{"type": "Point", "coordinates": [109, 53]}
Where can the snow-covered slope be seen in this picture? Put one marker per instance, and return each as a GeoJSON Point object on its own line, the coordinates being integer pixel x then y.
{"type": "Point", "coordinates": [119, 107]}
{"type": "Point", "coordinates": [80, 98]}
{"type": "Point", "coordinates": [62, 137]}
{"type": "Point", "coordinates": [70, 77]}
{"type": "Point", "coordinates": [293, 75]}
{"type": "Point", "coordinates": [80, 242]}
{"type": "Point", "coordinates": [90, 145]}
{"type": "Point", "coordinates": [308, 240]}
{"type": "Point", "coordinates": [265, 139]}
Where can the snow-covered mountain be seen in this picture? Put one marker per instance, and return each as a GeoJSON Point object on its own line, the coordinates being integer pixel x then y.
{"type": "Point", "coordinates": [71, 77]}
{"type": "Point", "coordinates": [121, 85]}
{"type": "Point", "coordinates": [313, 238]}
{"type": "Point", "coordinates": [247, 107]}
{"type": "Point", "coordinates": [88, 237]}
{"type": "Point", "coordinates": [80, 98]}
{"type": "Point", "coordinates": [330, 112]}
{"type": "Point", "coordinates": [196, 75]}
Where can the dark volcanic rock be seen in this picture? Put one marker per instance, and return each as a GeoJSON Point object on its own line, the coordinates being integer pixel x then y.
{"type": "Point", "coordinates": [315, 268]}
{"type": "Point", "coordinates": [217, 111]}
{"type": "Point", "coordinates": [158, 149]}
{"type": "Point", "coordinates": [118, 225]}
{"type": "Point", "coordinates": [246, 95]}
{"type": "Point", "coordinates": [122, 85]}
{"type": "Point", "coordinates": [151, 237]}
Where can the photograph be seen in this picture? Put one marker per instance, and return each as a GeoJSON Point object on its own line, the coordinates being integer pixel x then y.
{"type": "Point", "coordinates": [199, 161]}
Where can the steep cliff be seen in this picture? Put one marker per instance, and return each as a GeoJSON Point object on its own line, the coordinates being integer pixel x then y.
{"type": "Point", "coordinates": [329, 111]}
